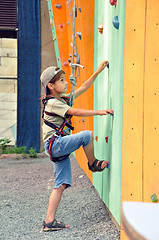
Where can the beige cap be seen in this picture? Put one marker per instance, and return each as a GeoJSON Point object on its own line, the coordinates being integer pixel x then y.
{"type": "Point", "coordinates": [48, 74]}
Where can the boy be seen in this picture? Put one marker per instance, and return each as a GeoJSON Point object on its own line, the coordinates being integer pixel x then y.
{"type": "Point", "coordinates": [58, 141]}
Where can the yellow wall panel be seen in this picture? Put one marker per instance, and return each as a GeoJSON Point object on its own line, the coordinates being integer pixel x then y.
{"type": "Point", "coordinates": [151, 102]}
{"type": "Point", "coordinates": [132, 149]}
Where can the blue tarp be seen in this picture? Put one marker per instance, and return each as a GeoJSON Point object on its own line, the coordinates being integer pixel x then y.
{"type": "Point", "coordinates": [28, 114]}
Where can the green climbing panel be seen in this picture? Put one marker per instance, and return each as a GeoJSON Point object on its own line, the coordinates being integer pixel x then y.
{"type": "Point", "coordinates": [108, 94]}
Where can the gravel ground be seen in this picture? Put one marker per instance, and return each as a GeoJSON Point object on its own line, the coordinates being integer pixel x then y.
{"type": "Point", "coordinates": [26, 185]}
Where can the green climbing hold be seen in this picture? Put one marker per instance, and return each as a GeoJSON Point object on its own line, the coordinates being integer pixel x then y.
{"type": "Point", "coordinates": [154, 198]}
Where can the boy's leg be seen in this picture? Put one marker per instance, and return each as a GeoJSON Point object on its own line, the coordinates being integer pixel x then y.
{"type": "Point", "coordinates": [89, 151]}
{"type": "Point", "coordinates": [53, 204]}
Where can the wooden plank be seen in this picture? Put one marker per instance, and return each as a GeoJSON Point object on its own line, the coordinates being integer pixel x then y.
{"type": "Point", "coordinates": [133, 101]}
{"type": "Point", "coordinates": [132, 144]}
{"type": "Point", "coordinates": [151, 102]}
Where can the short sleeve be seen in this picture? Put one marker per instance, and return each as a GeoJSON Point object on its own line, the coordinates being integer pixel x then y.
{"type": "Point", "coordinates": [58, 107]}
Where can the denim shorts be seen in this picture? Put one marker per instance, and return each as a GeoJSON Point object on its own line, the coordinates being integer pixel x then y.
{"type": "Point", "coordinates": [63, 146]}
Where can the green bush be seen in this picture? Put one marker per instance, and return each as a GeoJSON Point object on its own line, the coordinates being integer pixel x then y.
{"type": "Point", "coordinates": [3, 144]}
{"type": "Point", "coordinates": [5, 149]}
{"type": "Point", "coordinates": [16, 150]}
{"type": "Point", "coordinates": [33, 153]}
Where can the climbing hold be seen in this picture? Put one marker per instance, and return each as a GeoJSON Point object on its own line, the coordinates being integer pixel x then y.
{"type": "Point", "coordinates": [108, 165]}
{"type": "Point", "coordinates": [111, 114]}
{"type": "Point", "coordinates": [58, 6]}
{"type": "Point", "coordinates": [96, 138]}
{"type": "Point", "coordinates": [69, 60]}
{"type": "Point", "coordinates": [108, 65]}
{"type": "Point", "coordinates": [70, 55]}
{"type": "Point", "coordinates": [67, 23]}
{"type": "Point", "coordinates": [61, 25]}
{"type": "Point", "coordinates": [100, 28]}
{"type": "Point", "coordinates": [82, 119]}
{"type": "Point", "coordinates": [106, 138]}
{"type": "Point", "coordinates": [79, 35]}
{"type": "Point", "coordinates": [78, 59]}
{"type": "Point", "coordinates": [65, 63]}
{"type": "Point", "coordinates": [116, 22]}
{"type": "Point", "coordinates": [75, 11]}
{"type": "Point", "coordinates": [154, 198]}
{"type": "Point", "coordinates": [51, 22]}
{"type": "Point", "coordinates": [113, 2]}
{"type": "Point", "coordinates": [79, 9]}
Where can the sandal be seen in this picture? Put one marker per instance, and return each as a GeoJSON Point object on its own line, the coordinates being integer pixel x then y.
{"type": "Point", "coordinates": [53, 226]}
{"type": "Point", "coordinates": [95, 167]}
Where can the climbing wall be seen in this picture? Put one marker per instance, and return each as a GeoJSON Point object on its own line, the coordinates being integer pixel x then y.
{"type": "Point", "coordinates": [140, 178]}
{"type": "Point", "coordinates": [151, 101]}
{"type": "Point", "coordinates": [129, 140]}
{"type": "Point", "coordinates": [61, 21]}
{"type": "Point", "coordinates": [108, 93]}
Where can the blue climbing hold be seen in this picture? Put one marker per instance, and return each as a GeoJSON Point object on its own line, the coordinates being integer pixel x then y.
{"type": "Point", "coordinates": [79, 35]}
{"type": "Point", "coordinates": [58, 6]}
{"type": "Point", "coordinates": [79, 9]}
{"type": "Point", "coordinates": [116, 22]}
{"type": "Point", "coordinates": [108, 166]}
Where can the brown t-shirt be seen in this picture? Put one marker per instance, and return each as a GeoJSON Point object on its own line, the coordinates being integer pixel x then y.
{"type": "Point", "coordinates": [58, 107]}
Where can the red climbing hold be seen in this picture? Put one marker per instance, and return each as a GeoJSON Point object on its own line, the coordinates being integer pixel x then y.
{"type": "Point", "coordinates": [106, 138]}
{"type": "Point", "coordinates": [113, 2]}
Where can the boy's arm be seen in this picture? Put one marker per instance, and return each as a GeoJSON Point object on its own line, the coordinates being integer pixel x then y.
{"type": "Point", "coordinates": [85, 86]}
{"type": "Point", "coordinates": [88, 113]}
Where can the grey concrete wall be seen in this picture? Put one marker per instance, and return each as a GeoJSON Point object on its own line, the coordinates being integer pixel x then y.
{"type": "Point", "coordinates": [8, 89]}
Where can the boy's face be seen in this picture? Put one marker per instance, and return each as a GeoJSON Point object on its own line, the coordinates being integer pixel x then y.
{"type": "Point", "coordinates": [60, 86]}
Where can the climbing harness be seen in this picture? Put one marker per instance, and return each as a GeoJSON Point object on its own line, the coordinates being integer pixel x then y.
{"type": "Point", "coordinates": [59, 130]}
